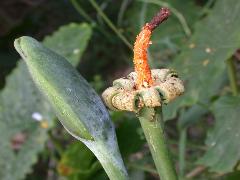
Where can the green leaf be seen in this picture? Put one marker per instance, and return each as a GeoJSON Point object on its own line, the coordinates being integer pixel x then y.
{"type": "Point", "coordinates": [232, 176]}
{"type": "Point", "coordinates": [202, 61]}
{"type": "Point", "coordinates": [191, 116]}
{"type": "Point", "coordinates": [70, 41]}
{"type": "Point", "coordinates": [76, 104]}
{"type": "Point", "coordinates": [223, 141]}
{"type": "Point", "coordinates": [78, 162]}
{"type": "Point", "coordinates": [20, 99]}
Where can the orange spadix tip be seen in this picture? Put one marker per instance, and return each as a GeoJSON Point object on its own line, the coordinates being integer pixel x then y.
{"type": "Point", "coordinates": [140, 59]}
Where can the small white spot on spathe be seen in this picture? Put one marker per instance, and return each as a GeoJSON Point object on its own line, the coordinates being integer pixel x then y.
{"type": "Point", "coordinates": [37, 116]}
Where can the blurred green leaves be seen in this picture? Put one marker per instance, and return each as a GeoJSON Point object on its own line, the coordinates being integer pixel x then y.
{"type": "Point", "coordinates": [223, 140]}
{"type": "Point", "coordinates": [23, 136]}
{"type": "Point", "coordinates": [129, 134]}
{"type": "Point", "coordinates": [202, 65]}
{"type": "Point", "coordinates": [78, 162]}
{"type": "Point", "coordinates": [70, 41]}
{"type": "Point", "coordinates": [202, 61]}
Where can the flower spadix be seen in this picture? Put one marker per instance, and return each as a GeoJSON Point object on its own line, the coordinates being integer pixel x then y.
{"type": "Point", "coordinates": [144, 87]}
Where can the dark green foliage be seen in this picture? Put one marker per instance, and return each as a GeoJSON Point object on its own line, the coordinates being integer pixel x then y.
{"type": "Point", "coordinates": [78, 162]}
{"type": "Point", "coordinates": [223, 141]}
{"type": "Point", "coordinates": [129, 135]}
{"type": "Point", "coordinates": [202, 61]}
{"type": "Point", "coordinates": [207, 111]}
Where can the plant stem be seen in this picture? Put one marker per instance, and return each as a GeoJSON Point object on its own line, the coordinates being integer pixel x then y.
{"type": "Point", "coordinates": [152, 123]}
{"type": "Point", "coordinates": [182, 147]}
{"type": "Point", "coordinates": [143, 168]}
{"type": "Point", "coordinates": [122, 11]}
{"type": "Point", "coordinates": [113, 172]}
{"type": "Point", "coordinates": [110, 159]}
{"type": "Point", "coordinates": [207, 7]}
{"type": "Point", "coordinates": [109, 23]}
{"type": "Point", "coordinates": [195, 172]}
{"type": "Point", "coordinates": [81, 11]}
{"type": "Point", "coordinates": [232, 76]}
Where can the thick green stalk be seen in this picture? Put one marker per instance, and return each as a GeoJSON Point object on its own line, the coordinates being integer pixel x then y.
{"type": "Point", "coordinates": [109, 159]}
{"type": "Point", "coordinates": [232, 76]}
{"type": "Point", "coordinates": [152, 123]}
{"type": "Point", "coordinates": [182, 148]}
{"type": "Point", "coordinates": [112, 171]}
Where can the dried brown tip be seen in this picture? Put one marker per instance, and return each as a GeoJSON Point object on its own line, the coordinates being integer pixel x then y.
{"type": "Point", "coordinates": [161, 16]}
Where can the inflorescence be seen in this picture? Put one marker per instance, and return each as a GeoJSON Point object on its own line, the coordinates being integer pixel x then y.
{"type": "Point", "coordinates": [144, 87]}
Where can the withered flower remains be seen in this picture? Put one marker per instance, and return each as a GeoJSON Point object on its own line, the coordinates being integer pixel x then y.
{"type": "Point", "coordinates": [144, 87]}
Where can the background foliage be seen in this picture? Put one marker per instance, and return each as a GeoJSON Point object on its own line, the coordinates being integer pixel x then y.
{"type": "Point", "coordinates": [198, 39]}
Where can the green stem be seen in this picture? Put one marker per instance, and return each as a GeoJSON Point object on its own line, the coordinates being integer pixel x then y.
{"type": "Point", "coordinates": [122, 11]}
{"type": "Point", "coordinates": [182, 148]}
{"type": "Point", "coordinates": [113, 172]}
{"type": "Point", "coordinates": [207, 7]}
{"type": "Point", "coordinates": [81, 11]}
{"type": "Point", "coordinates": [232, 76]}
{"type": "Point", "coordinates": [109, 23]}
{"type": "Point", "coordinates": [109, 158]}
{"type": "Point", "coordinates": [57, 145]}
{"type": "Point", "coordinates": [152, 123]}
{"type": "Point", "coordinates": [142, 168]}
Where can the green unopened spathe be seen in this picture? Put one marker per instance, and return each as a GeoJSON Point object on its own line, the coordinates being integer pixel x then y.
{"type": "Point", "coordinates": [75, 102]}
